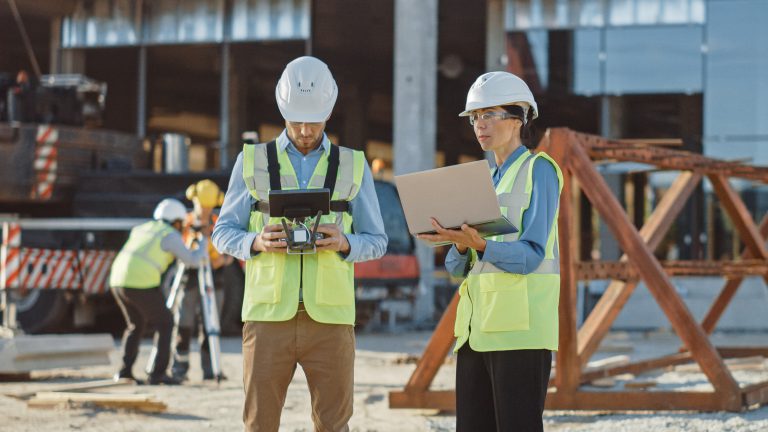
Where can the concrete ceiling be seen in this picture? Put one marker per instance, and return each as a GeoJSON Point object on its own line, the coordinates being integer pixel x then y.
{"type": "Point", "coordinates": [41, 8]}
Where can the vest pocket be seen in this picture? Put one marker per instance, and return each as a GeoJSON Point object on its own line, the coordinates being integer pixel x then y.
{"type": "Point", "coordinates": [265, 279]}
{"type": "Point", "coordinates": [335, 281]}
{"type": "Point", "coordinates": [503, 302]}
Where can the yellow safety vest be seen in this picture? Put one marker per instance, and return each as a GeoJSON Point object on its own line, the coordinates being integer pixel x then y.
{"type": "Point", "coordinates": [272, 280]}
{"type": "Point", "coordinates": [141, 262]}
{"type": "Point", "coordinates": [508, 311]}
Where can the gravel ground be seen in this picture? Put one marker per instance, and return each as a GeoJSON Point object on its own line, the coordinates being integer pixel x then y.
{"type": "Point", "coordinates": [384, 362]}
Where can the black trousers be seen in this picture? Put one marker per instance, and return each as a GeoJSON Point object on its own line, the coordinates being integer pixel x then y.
{"type": "Point", "coordinates": [140, 306]}
{"type": "Point", "coordinates": [501, 390]}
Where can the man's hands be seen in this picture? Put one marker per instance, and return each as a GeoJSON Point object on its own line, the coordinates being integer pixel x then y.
{"type": "Point", "coordinates": [334, 240]}
{"type": "Point", "coordinates": [466, 237]}
{"type": "Point", "coordinates": [270, 239]}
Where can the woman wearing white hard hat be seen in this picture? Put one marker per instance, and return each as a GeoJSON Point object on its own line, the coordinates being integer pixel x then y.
{"type": "Point", "coordinates": [135, 279]}
{"type": "Point", "coordinates": [506, 321]}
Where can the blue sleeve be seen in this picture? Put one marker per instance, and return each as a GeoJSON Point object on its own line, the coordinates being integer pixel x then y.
{"type": "Point", "coordinates": [230, 235]}
{"type": "Point", "coordinates": [524, 255]}
{"type": "Point", "coordinates": [368, 240]}
{"type": "Point", "coordinates": [456, 262]}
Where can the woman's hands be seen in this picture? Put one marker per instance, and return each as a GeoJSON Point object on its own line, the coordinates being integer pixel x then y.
{"type": "Point", "coordinates": [466, 237]}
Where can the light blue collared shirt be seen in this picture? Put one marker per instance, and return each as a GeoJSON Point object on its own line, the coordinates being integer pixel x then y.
{"type": "Point", "coordinates": [230, 235]}
{"type": "Point", "coordinates": [524, 255]}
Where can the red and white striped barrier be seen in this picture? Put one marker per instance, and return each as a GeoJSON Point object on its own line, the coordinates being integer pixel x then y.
{"type": "Point", "coordinates": [10, 256]}
{"type": "Point", "coordinates": [45, 164]}
{"type": "Point", "coordinates": [85, 270]}
{"type": "Point", "coordinates": [34, 268]}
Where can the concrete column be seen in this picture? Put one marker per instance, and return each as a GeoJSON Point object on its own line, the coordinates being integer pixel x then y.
{"type": "Point", "coordinates": [611, 126]}
{"type": "Point", "coordinates": [71, 61]}
{"type": "Point", "coordinates": [55, 54]}
{"type": "Point", "coordinates": [224, 113]}
{"type": "Point", "coordinates": [415, 114]}
{"type": "Point", "coordinates": [495, 37]}
{"type": "Point", "coordinates": [141, 93]}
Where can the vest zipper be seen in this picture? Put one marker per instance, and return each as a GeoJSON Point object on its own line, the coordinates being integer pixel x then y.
{"type": "Point", "coordinates": [301, 277]}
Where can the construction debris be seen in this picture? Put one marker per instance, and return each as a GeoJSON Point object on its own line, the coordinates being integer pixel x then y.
{"type": "Point", "coordinates": [68, 387]}
{"type": "Point", "coordinates": [25, 353]}
{"type": "Point", "coordinates": [138, 402]}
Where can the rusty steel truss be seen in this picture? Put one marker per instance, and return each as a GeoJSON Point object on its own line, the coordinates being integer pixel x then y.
{"type": "Point", "coordinates": [576, 154]}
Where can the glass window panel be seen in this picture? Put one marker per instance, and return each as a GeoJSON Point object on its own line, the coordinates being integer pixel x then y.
{"type": "Point", "coordinates": [101, 23]}
{"type": "Point", "coordinates": [648, 11]}
{"type": "Point", "coordinates": [180, 21]}
{"type": "Point", "coordinates": [622, 12]}
{"type": "Point", "coordinates": [698, 11]}
{"type": "Point", "coordinates": [592, 13]}
{"type": "Point", "coordinates": [539, 43]}
{"type": "Point", "coordinates": [270, 19]}
{"type": "Point", "coordinates": [654, 60]}
{"type": "Point", "coordinates": [674, 11]}
{"type": "Point", "coordinates": [586, 62]}
{"type": "Point", "coordinates": [736, 93]}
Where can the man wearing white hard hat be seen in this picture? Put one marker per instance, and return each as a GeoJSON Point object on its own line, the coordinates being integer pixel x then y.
{"type": "Point", "coordinates": [299, 310]}
{"type": "Point", "coordinates": [506, 321]}
{"type": "Point", "coordinates": [135, 279]}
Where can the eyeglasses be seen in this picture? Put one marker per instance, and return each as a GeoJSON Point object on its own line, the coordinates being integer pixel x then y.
{"type": "Point", "coordinates": [490, 115]}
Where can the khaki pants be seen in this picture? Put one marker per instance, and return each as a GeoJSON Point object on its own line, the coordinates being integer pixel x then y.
{"type": "Point", "coordinates": [271, 351]}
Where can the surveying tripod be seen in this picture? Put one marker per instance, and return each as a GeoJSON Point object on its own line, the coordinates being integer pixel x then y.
{"type": "Point", "coordinates": [210, 311]}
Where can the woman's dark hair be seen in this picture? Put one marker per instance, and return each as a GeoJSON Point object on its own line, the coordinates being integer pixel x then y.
{"type": "Point", "coordinates": [526, 132]}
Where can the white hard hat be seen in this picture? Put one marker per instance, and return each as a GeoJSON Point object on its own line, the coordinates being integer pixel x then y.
{"type": "Point", "coordinates": [170, 210]}
{"type": "Point", "coordinates": [498, 89]}
{"type": "Point", "coordinates": [306, 92]}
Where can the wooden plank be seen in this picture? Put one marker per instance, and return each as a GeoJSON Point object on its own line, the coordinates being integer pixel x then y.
{"type": "Point", "coordinates": [651, 272]}
{"type": "Point", "coordinates": [745, 351]}
{"type": "Point", "coordinates": [755, 394]}
{"type": "Point", "coordinates": [68, 387]}
{"type": "Point", "coordinates": [567, 357]}
{"type": "Point", "coordinates": [731, 286]}
{"type": "Point", "coordinates": [437, 349]}
{"type": "Point", "coordinates": [640, 400]}
{"type": "Point", "coordinates": [636, 367]}
{"type": "Point", "coordinates": [600, 320]}
{"type": "Point", "coordinates": [141, 402]}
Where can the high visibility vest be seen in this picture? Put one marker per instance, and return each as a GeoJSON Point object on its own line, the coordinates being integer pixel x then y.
{"type": "Point", "coordinates": [499, 310]}
{"type": "Point", "coordinates": [272, 280]}
{"type": "Point", "coordinates": [141, 262]}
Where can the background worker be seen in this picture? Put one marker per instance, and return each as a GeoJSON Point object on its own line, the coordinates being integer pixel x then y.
{"type": "Point", "coordinates": [135, 282]}
{"type": "Point", "coordinates": [205, 196]}
{"type": "Point", "coordinates": [506, 321]}
{"type": "Point", "coordinates": [300, 309]}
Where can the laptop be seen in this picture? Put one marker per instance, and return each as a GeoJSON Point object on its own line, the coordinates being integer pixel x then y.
{"type": "Point", "coordinates": [453, 195]}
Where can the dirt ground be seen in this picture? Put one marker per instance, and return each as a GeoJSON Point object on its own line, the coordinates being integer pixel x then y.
{"type": "Point", "coordinates": [384, 362]}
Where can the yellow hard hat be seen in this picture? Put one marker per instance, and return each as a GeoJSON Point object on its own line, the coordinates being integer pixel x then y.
{"type": "Point", "coordinates": [206, 192]}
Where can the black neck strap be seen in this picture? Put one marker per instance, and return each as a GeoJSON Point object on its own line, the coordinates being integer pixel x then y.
{"type": "Point", "coordinates": [273, 166]}
{"type": "Point", "coordinates": [333, 169]}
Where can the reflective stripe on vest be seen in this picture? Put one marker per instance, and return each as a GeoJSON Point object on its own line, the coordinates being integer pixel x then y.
{"type": "Point", "coordinates": [141, 262]}
{"type": "Point", "coordinates": [273, 279]}
{"type": "Point", "coordinates": [507, 311]}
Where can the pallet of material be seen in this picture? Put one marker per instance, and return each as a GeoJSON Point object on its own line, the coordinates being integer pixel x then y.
{"type": "Point", "coordinates": [138, 402]}
{"type": "Point", "coordinates": [26, 353]}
